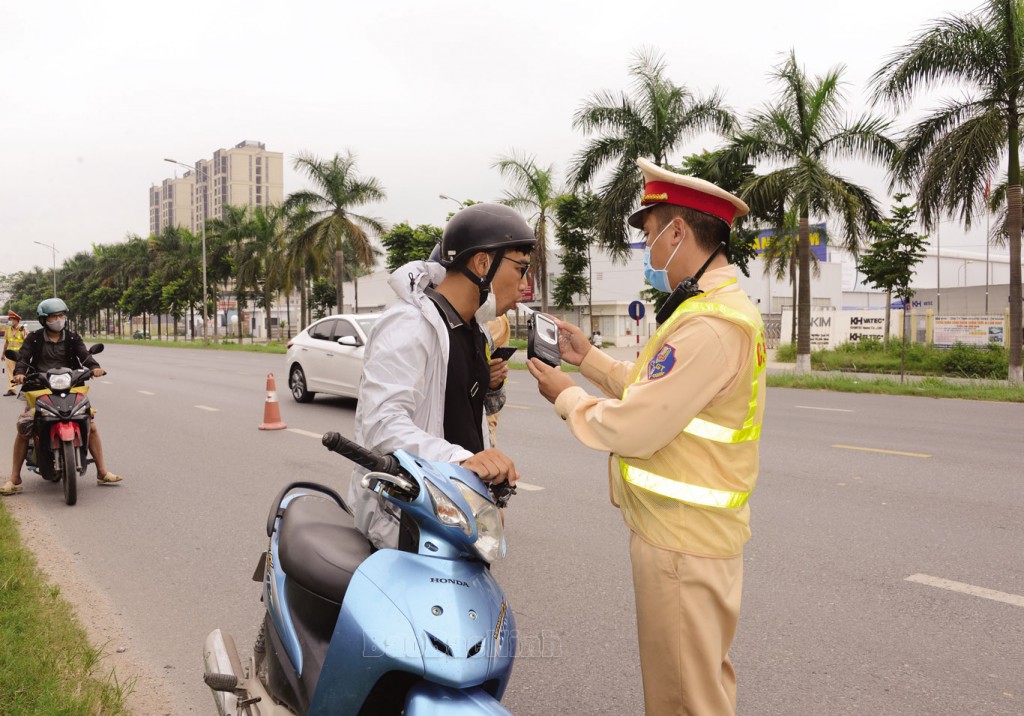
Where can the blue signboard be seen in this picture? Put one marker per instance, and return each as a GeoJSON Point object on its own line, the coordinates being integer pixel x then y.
{"type": "Point", "coordinates": [636, 310]}
{"type": "Point", "coordinates": [818, 239]}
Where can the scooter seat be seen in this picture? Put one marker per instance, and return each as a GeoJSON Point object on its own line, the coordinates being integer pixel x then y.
{"type": "Point", "coordinates": [320, 547]}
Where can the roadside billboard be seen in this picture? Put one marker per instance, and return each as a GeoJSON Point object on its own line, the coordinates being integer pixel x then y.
{"type": "Point", "coordinates": [969, 330]}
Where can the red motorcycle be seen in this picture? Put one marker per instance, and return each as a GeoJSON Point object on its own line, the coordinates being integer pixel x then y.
{"type": "Point", "coordinates": [59, 445]}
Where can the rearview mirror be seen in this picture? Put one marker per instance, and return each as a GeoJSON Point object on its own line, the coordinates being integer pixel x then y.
{"type": "Point", "coordinates": [96, 348]}
{"type": "Point", "coordinates": [350, 341]}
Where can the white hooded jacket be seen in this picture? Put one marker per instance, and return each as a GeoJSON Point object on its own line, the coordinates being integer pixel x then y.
{"type": "Point", "coordinates": [401, 392]}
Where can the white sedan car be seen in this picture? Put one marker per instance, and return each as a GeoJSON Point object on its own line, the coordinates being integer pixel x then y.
{"type": "Point", "coordinates": [327, 357]}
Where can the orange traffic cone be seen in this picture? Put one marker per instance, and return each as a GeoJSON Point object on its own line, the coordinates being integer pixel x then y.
{"type": "Point", "coordinates": [271, 410]}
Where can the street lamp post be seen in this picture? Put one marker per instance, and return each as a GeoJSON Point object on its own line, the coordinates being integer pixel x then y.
{"type": "Point", "coordinates": [202, 232]}
{"type": "Point", "coordinates": [964, 269]}
{"type": "Point", "coordinates": [53, 251]}
{"type": "Point", "coordinates": [451, 198]}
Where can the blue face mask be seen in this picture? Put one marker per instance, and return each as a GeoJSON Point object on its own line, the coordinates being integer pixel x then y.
{"type": "Point", "coordinates": [658, 278]}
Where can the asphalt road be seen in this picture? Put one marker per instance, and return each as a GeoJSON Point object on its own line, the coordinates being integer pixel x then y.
{"type": "Point", "coordinates": [831, 624]}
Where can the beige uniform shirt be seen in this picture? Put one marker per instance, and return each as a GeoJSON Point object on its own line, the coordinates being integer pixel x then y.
{"type": "Point", "coordinates": [710, 374]}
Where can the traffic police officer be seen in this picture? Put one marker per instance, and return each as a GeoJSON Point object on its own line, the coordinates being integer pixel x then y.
{"type": "Point", "coordinates": [682, 426]}
{"type": "Point", "coordinates": [14, 337]}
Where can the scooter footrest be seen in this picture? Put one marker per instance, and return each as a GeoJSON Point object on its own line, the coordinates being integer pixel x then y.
{"type": "Point", "coordinates": [221, 682]}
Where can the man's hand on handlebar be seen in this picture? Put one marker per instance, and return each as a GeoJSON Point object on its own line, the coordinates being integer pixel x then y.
{"type": "Point", "coordinates": [19, 379]}
{"type": "Point", "coordinates": [492, 465]}
{"type": "Point", "coordinates": [98, 372]}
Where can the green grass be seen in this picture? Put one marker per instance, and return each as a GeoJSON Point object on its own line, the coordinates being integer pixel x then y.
{"type": "Point", "coordinates": [989, 362]}
{"type": "Point", "coordinates": [47, 666]}
{"type": "Point", "coordinates": [222, 344]}
{"type": "Point", "coordinates": [926, 388]}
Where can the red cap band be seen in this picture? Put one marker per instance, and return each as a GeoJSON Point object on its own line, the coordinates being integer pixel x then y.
{"type": "Point", "coordinates": [659, 192]}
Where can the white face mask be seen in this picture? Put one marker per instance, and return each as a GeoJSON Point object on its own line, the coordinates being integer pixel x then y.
{"type": "Point", "coordinates": [56, 325]}
{"type": "Point", "coordinates": [488, 311]}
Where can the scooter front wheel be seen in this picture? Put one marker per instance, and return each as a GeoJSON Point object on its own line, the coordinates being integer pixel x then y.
{"type": "Point", "coordinates": [69, 473]}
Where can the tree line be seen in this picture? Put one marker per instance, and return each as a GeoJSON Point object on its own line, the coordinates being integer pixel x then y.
{"type": "Point", "coordinates": [951, 162]}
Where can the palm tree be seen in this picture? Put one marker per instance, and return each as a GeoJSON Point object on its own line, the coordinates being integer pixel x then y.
{"type": "Point", "coordinates": [337, 190]}
{"type": "Point", "coordinates": [802, 131]}
{"type": "Point", "coordinates": [532, 190]}
{"type": "Point", "coordinates": [228, 233]}
{"type": "Point", "coordinates": [651, 121]}
{"type": "Point", "coordinates": [949, 155]}
{"type": "Point", "coordinates": [305, 258]}
{"type": "Point", "coordinates": [260, 255]}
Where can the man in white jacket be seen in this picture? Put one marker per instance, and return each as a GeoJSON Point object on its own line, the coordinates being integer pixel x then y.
{"type": "Point", "coordinates": [427, 369]}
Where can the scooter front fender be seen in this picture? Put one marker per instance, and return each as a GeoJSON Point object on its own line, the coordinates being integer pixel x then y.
{"type": "Point", "coordinates": [64, 432]}
{"type": "Point", "coordinates": [444, 621]}
{"type": "Point", "coordinates": [427, 699]}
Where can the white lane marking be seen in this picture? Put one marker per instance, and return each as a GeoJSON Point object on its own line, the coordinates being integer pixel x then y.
{"type": "Point", "coordinates": [1014, 599]}
{"type": "Point", "coordinates": [308, 434]}
{"type": "Point", "coordinates": [207, 407]}
{"type": "Point", "coordinates": [146, 392]}
{"type": "Point", "coordinates": [525, 485]}
{"type": "Point", "coordinates": [518, 407]}
{"type": "Point", "coordinates": [106, 382]}
{"type": "Point", "coordinates": [831, 410]}
{"type": "Point", "coordinates": [886, 452]}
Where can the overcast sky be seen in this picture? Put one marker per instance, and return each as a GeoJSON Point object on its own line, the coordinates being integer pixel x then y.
{"type": "Point", "coordinates": [427, 94]}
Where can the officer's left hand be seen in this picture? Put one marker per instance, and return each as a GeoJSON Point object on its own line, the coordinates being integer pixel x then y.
{"type": "Point", "coordinates": [550, 381]}
{"type": "Point", "coordinates": [97, 372]}
{"type": "Point", "coordinates": [499, 372]}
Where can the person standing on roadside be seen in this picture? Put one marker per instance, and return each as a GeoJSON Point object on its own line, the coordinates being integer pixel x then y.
{"type": "Point", "coordinates": [426, 371]}
{"type": "Point", "coordinates": [13, 338]}
{"type": "Point", "coordinates": [682, 427]}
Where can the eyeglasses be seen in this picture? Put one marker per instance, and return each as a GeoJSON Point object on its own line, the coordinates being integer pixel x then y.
{"type": "Point", "coordinates": [524, 266]}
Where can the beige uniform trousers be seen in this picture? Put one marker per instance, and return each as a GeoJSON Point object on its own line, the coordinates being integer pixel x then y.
{"type": "Point", "coordinates": [686, 612]}
{"type": "Point", "coordinates": [11, 365]}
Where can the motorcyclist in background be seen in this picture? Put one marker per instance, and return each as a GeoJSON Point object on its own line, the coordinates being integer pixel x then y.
{"type": "Point", "coordinates": [53, 346]}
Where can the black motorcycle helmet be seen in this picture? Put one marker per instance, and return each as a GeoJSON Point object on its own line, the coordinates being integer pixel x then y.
{"type": "Point", "coordinates": [484, 227]}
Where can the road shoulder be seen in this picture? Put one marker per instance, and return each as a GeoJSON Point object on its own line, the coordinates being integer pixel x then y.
{"type": "Point", "coordinates": [95, 612]}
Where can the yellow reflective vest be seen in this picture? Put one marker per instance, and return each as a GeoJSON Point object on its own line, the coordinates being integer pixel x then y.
{"type": "Point", "coordinates": [682, 423]}
{"type": "Point", "coordinates": [15, 337]}
{"type": "Point", "coordinates": [692, 494]}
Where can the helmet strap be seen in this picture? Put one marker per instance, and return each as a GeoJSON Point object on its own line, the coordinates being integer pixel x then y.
{"type": "Point", "coordinates": [484, 282]}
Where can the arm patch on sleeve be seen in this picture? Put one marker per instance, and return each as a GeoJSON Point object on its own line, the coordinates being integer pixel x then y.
{"type": "Point", "coordinates": [662, 363]}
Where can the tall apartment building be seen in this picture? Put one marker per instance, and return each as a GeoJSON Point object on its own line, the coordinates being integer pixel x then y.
{"type": "Point", "coordinates": [245, 175]}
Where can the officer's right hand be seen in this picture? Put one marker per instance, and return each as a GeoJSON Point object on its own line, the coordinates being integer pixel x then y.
{"type": "Point", "coordinates": [492, 465]}
{"type": "Point", "coordinates": [572, 343]}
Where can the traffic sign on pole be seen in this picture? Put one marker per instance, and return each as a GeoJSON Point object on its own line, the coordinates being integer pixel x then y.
{"type": "Point", "coordinates": [636, 310]}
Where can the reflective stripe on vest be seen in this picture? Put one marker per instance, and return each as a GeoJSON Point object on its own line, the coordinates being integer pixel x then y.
{"type": "Point", "coordinates": [15, 337]}
{"type": "Point", "coordinates": [681, 491]}
{"type": "Point", "coordinates": [698, 427]}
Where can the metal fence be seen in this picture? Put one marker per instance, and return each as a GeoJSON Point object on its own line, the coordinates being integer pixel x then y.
{"type": "Point", "coordinates": [772, 329]}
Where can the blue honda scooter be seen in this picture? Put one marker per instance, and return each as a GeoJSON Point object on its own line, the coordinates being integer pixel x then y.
{"type": "Point", "coordinates": [422, 629]}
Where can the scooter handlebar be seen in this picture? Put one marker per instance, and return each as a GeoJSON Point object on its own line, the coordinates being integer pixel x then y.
{"type": "Point", "coordinates": [335, 442]}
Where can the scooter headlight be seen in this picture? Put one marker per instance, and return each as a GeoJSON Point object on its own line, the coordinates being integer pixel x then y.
{"type": "Point", "coordinates": [61, 381]}
{"type": "Point", "coordinates": [447, 511]}
{"type": "Point", "coordinates": [490, 539]}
